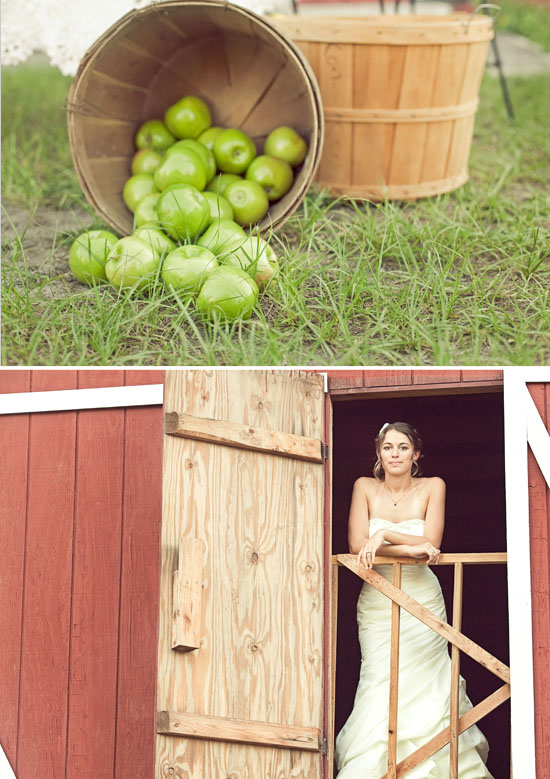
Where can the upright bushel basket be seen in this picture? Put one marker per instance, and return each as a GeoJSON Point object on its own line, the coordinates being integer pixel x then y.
{"type": "Point", "coordinates": [251, 75]}
{"type": "Point", "coordinates": [400, 95]}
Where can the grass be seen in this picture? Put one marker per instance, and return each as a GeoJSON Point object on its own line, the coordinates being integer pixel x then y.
{"type": "Point", "coordinates": [460, 279]}
{"type": "Point", "coordinates": [530, 19]}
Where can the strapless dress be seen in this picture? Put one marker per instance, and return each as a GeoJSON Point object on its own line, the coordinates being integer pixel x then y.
{"type": "Point", "coordinates": [424, 683]}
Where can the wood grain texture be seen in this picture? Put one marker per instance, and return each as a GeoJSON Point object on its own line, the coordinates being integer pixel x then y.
{"type": "Point", "coordinates": [187, 595]}
{"type": "Point", "coordinates": [241, 731]}
{"type": "Point", "coordinates": [455, 672]}
{"type": "Point", "coordinates": [399, 97]}
{"type": "Point", "coordinates": [447, 558]}
{"type": "Point", "coordinates": [394, 678]}
{"type": "Point", "coordinates": [454, 637]}
{"type": "Point", "coordinates": [539, 514]}
{"type": "Point", "coordinates": [261, 521]}
{"type": "Point", "coordinates": [14, 434]}
{"type": "Point", "coordinates": [223, 431]}
{"type": "Point", "coordinates": [48, 568]}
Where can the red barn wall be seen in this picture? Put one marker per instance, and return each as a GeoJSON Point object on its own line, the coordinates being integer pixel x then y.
{"type": "Point", "coordinates": [79, 533]}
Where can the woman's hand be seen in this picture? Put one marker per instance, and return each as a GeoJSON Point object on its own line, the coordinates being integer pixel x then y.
{"type": "Point", "coordinates": [368, 551]}
{"type": "Point", "coordinates": [421, 550]}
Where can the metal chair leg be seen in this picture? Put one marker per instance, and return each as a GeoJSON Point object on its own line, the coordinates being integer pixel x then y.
{"type": "Point", "coordinates": [502, 78]}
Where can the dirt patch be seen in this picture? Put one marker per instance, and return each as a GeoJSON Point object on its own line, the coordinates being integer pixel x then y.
{"type": "Point", "coordinates": [39, 242]}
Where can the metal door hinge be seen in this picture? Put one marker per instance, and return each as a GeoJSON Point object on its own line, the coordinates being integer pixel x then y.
{"type": "Point", "coordinates": [324, 746]}
{"type": "Point", "coordinates": [324, 450]}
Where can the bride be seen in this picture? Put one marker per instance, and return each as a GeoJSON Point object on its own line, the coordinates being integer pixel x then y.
{"type": "Point", "coordinates": [399, 513]}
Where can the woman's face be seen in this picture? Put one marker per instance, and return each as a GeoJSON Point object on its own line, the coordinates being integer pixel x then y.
{"type": "Point", "coordinates": [397, 453]}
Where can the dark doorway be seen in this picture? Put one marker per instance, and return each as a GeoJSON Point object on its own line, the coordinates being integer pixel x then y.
{"type": "Point", "coordinates": [463, 438]}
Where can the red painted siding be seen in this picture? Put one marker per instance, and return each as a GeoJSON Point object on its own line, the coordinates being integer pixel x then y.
{"type": "Point", "coordinates": [539, 513]}
{"type": "Point", "coordinates": [80, 520]}
{"type": "Point", "coordinates": [370, 379]}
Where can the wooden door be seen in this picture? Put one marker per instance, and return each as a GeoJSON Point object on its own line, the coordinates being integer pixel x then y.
{"type": "Point", "coordinates": [240, 658]}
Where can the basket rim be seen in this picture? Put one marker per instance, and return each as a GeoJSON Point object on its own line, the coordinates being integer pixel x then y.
{"type": "Point", "coordinates": [316, 141]}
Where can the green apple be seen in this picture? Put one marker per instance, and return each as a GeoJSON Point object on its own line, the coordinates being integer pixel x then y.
{"type": "Point", "coordinates": [132, 262]}
{"type": "Point", "coordinates": [136, 188]}
{"type": "Point", "coordinates": [187, 267]}
{"type": "Point", "coordinates": [228, 292]}
{"type": "Point", "coordinates": [181, 166]}
{"type": "Point", "coordinates": [285, 143]}
{"type": "Point", "coordinates": [234, 151]}
{"type": "Point", "coordinates": [183, 212]}
{"type": "Point", "coordinates": [273, 175]}
{"type": "Point", "coordinates": [256, 257]}
{"type": "Point", "coordinates": [145, 161]}
{"type": "Point", "coordinates": [154, 134]}
{"type": "Point", "coordinates": [222, 237]}
{"type": "Point", "coordinates": [220, 182]}
{"type": "Point", "coordinates": [205, 154]}
{"type": "Point", "coordinates": [145, 210]}
{"type": "Point", "coordinates": [208, 137]}
{"type": "Point", "coordinates": [88, 255]}
{"type": "Point", "coordinates": [219, 207]}
{"type": "Point", "coordinates": [152, 234]}
{"type": "Point", "coordinates": [188, 118]}
{"type": "Point", "coordinates": [248, 201]}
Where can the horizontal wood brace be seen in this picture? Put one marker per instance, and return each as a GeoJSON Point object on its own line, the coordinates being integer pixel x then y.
{"type": "Point", "coordinates": [465, 644]}
{"type": "Point", "coordinates": [468, 558]}
{"type": "Point", "coordinates": [406, 115]}
{"type": "Point", "coordinates": [418, 390]}
{"type": "Point", "coordinates": [244, 436]}
{"type": "Point", "coordinates": [174, 723]}
{"type": "Point", "coordinates": [418, 31]}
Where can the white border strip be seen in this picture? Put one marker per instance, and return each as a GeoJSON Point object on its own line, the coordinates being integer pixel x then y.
{"type": "Point", "coordinates": [75, 399]}
{"type": "Point", "coordinates": [521, 426]}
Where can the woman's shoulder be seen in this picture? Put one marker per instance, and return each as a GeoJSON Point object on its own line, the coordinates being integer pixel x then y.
{"type": "Point", "coordinates": [433, 483]}
{"type": "Point", "coordinates": [364, 483]}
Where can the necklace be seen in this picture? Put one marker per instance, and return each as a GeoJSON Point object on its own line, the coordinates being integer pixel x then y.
{"type": "Point", "coordinates": [392, 498]}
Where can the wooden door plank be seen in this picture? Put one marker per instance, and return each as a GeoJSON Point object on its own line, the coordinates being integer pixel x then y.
{"type": "Point", "coordinates": [47, 594]}
{"type": "Point", "coordinates": [177, 723]}
{"type": "Point", "coordinates": [468, 646]}
{"type": "Point", "coordinates": [243, 436]}
{"type": "Point", "coordinates": [140, 573]}
{"type": "Point", "coordinates": [14, 433]}
{"type": "Point", "coordinates": [261, 520]}
{"type": "Point", "coordinates": [187, 597]}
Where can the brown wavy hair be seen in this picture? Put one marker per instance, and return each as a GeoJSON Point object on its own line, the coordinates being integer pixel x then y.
{"type": "Point", "coordinates": [412, 435]}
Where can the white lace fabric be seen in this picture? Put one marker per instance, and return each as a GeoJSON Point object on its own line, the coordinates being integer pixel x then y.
{"type": "Point", "coordinates": [65, 29]}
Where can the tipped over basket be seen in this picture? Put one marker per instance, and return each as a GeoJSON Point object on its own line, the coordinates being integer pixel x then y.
{"type": "Point", "coordinates": [251, 75]}
{"type": "Point", "coordinates": [400, 95]}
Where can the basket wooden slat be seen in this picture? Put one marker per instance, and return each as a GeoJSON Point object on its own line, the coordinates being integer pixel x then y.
{"type": "Point", "coordinates": [400, 95]}
{"type": "Point", "coordinates": [248, 71]}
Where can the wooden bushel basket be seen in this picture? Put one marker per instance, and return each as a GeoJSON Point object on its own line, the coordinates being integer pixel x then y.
{"type": "Point", "coordinates": [251, 75]}
{"type": "Point", "coordinates": [400, 95]}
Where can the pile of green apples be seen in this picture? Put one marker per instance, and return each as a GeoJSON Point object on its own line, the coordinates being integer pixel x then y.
{"type": "Point", "coordinates": [194, 191]}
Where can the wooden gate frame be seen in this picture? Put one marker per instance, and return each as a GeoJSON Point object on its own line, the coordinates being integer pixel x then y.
{"type": "Point", "coordinates": [452, 633]}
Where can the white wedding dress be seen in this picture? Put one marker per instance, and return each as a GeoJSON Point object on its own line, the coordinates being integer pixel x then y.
{"type": "Point", "coordinates": [424, 683]}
